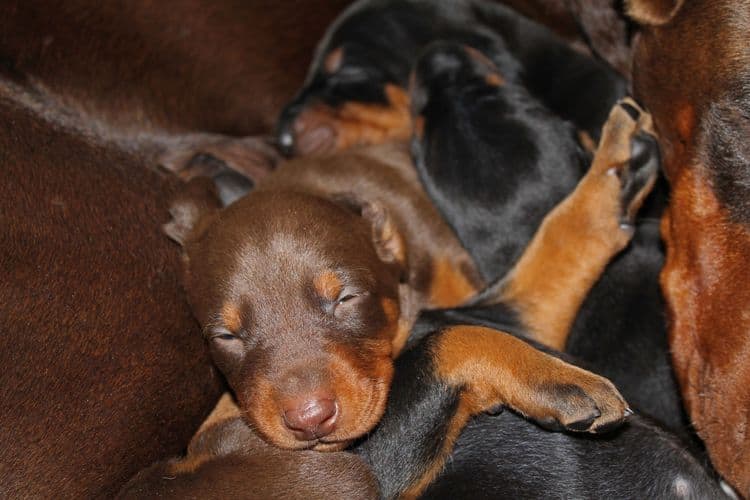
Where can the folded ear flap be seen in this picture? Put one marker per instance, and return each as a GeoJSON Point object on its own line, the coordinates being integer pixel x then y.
{"type": "Point", "coordinates": [193, 203]}
{"type": "Point", "coordinates": [386, 237]}
{"type": "Point", "coordinates": [653, 12]}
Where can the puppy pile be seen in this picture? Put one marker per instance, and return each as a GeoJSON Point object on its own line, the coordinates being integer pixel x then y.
{"type": "Point", "coordinates": [462, 209]}
{"type": "Point", "coordinates": [466, 264]}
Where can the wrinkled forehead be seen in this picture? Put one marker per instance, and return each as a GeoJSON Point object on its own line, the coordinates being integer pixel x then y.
{"type": "Point", "coordinates": [279, 264]}
{"type": "Point", "coordinates": [279, 248]}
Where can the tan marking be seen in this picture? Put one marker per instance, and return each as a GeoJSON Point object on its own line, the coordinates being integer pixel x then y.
{"type": "Point", "coordinates": [189, 464]}
{"type": "Point", "coordinates": [356, 123]}
{"type": "Point", "coordinates": [479, 57]}
{"type": "Point", "coordinates": [653, 12]}
{"type": "Point", "coordinates": [230, 313]}
{"type": "Point", "coordinates": [328, 285]}
{"type": "Point", "coordinates": [685, 121]}
{"type": "Point", "coordinates": [494, 80]}
{"type": "Point", "coordinates": [450, 287]}
{"type": "Point", "coordinates": [576, 240]}
{"type": "Point", "coordinates": [586, 141]}
{"type": "Point", "coordinates": [704, 282]}
{"type": "Point", "coordinates": [494, 368]}
{"type": "Point", "coordinates": [396, 324]}
{"type": "Point", "coordinates": [419, 126]}
{"type": "Point", "coordinates": [457, 424]}
{"type": "Point", "coordinates": [225, 409]}
{"type": "Point", "coordinates": [391, 240]}
{"type": "Point", "coordinates": [333, 60]}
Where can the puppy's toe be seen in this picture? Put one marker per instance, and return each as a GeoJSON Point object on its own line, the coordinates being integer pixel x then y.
{"type": "Point", "coordinates": [593, 405]}
{"type": "Point", "coordinates": [638, 176]}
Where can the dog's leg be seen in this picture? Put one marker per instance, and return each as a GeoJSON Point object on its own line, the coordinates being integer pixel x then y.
{"type": "Point", "coordinates": [579, 237]}
{"type": "Point", "coordinates": [462, 371]}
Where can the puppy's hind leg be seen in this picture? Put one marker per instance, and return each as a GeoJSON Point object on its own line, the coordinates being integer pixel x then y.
{"type": "Point", "coordinates": [578, 238]}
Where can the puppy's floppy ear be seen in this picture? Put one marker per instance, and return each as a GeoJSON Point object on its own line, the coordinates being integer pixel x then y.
{"type": "Point", "coordinates": [195, 200]}
{"type": "Point", "coordinates": [653, 12]}
{"type": "Point", "coordinates": [388, 241]}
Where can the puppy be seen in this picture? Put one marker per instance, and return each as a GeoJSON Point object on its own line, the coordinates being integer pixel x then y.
{"type": "Point", "coordinates": [356, 89]}
{"type": "Point", "coordinates": [307, 292]}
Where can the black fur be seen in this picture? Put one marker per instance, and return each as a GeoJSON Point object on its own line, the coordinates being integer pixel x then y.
{"type": "Point", "coordinates": [628, 294]}
{"type": "Point", "coordinates": [381, 40]}
{"type": "Point", "coordinates": [505, 456]}
{"type": "Point", "coordinates": [493, 159]}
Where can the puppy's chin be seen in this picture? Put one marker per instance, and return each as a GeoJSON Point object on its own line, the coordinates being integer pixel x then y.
{"type": "Point", "coordinates": [338, 446]}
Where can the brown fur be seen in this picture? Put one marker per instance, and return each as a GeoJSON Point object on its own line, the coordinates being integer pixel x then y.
{"type": "Point", "coordinates": [687, 64]}
{"type": "Point", "coordinates": [363, 212]}
{"type": "Point", "coordinates": [223, 67]}
{"type": "Point", "coordinates": [105, 368]}
{"type": "Point", "coordinates": [188, 79]}
{"type": "Point", "coordinates": [226, 459]}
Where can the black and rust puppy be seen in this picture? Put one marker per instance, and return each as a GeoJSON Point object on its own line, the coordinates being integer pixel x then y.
{"type": "Point", "coordinates": [493, 159]}
{"type": "Point", "coordinates": [356, 89]}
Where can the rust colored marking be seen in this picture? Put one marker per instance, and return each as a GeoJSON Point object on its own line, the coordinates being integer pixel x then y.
{"type": "Point", "coordinates": [333, 60]}
{"type": "Point", "coordinates": [450, 287]}
{"type": "Point", "coordinates": [230, 313]}
{"type": "Point", "coordinates": [576, 240]}
{"type": "Point", "coordinates": [494, 80]}
{"type": "Point", "coordinates": [653, 12]}
{"type": "Point", "coordinates": [328, 285]}
{"type": "Point", "coordinates": [419, 126]}
{"type": "Point", "coordinates": [494, 368]}
{"type": "Point", "coordinates": [396, 324]}
{"type": "Point", "coordinates": [320, 128]}
{"type": "Point", "coordinates": [225, 409]}
{"type": "Point", "coordinates": [189, 464]}
{"type": "Point", "coordinates": [588, 143]}
{"type": "Point", "coordinates": [685, 121]}
{"type": "Point", "coordinates": [456, 425]}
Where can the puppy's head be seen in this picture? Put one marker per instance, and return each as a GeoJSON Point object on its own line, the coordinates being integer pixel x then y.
{"type": "Point", "coordinates": [298, 298]}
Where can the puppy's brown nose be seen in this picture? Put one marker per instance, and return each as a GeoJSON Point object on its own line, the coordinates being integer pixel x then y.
{"type": "Point", "coordinates": [311, 418]}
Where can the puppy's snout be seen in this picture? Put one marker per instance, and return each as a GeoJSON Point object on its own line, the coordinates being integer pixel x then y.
{"type": "Point", "coordinates": [311, 417]}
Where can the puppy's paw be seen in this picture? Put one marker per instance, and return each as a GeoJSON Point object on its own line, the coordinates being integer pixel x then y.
{"type": "Point", "coordinates": [589, 404]}
{"type": "Point", "coordinates": [622, 174]}
{"type": "Point", "coordinates": [212, 155]}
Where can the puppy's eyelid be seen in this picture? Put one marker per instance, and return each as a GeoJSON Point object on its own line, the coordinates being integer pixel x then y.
{"type": "Point", "coordinates": [222, 333]}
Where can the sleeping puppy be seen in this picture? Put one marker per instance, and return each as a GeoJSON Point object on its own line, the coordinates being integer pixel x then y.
{"type": "Point", "coordinates": [356, 89]}
{"type": "Point", "coordinates": [491, 156]}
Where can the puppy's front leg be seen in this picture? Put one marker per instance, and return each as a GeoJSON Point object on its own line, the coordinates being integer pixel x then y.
{"type": "Point", "coordinates": [461, 371]}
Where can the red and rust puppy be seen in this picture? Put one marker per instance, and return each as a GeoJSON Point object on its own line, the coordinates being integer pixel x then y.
{"type": "Point", "coordinates": [692, 70]}
{"type": "Point", "coordinates": [356, 88]}
{"type": "Point", "coordinates": [308, 287]}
